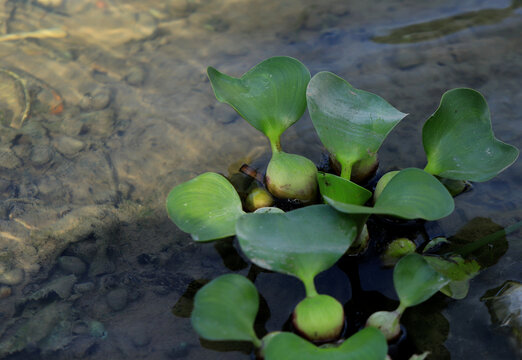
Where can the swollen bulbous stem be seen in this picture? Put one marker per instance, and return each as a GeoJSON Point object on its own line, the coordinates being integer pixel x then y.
{"type": "Point", "coordinates": [319, 318]}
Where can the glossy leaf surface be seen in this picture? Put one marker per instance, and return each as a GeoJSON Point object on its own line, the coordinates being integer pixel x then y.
{"type": "Point", "coordinates": [410, 194]}
{"type": "Point", "coordinates": [271, 96]}
{"type": "Point", "coordinates": [225, 309]}
{"type": "Point", "coordinates": [207, 207]}
{"type": "Point", "coordinates": [459, 141]}
{"type": "Point", "coordinates": [351, 123]}
{"type": "Point", "coordinates": [415, 280]}
{"type": "Point", "coordinates": [342, 190]}
{"type": "Point", "coordinates": [367, 344]}
{"type": "Point", "coordinates": [302, 243]}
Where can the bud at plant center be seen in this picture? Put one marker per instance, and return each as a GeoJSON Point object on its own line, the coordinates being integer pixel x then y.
{"type": "Point", "coordinates": [396, 249]}
{"type": "Point", "coordinates": [258, 198]}
{"type": "Point", "coordinates": [319, 318]}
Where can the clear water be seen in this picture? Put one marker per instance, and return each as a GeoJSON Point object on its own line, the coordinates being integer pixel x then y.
{"type": "Point", "coordinates": [121, 111]}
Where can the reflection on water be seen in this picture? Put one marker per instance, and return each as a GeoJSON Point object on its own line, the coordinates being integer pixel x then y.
{"type": "Point", "coordinates": [121, 110]}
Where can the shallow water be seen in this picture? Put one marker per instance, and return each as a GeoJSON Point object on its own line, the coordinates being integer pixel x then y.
{"type": "Point", "coordinates": [121, 111]}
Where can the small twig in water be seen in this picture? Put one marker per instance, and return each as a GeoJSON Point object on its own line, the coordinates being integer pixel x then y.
{"type": "Point", "coordinates": [54, 33]}
{"type": "Point", "coordinates": [17, 123]}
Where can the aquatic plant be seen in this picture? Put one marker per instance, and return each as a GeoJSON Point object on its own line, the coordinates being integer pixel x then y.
{"type": "Point", "coordinates": [271, 97]}
{"type": "Point", "coordinates": [303, 242]}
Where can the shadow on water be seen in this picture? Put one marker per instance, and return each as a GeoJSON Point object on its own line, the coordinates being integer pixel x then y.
{"type": "Point", "coordinates": [441, 27]}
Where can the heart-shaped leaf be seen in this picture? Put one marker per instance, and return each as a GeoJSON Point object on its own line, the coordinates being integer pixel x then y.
{"type": "Point", "coordinates": [415, 280]}
{"type": "Point", "coordinates": [271, 96]}
{"type": "Point", "coordinates": [351, 123]}
{"type": "Point", "coordinates": [301, 243]}
{"type": "Point", "coordinates": [367, 344]}
{"type": "Point", "coordinates": [225, 309]}
{"type": "Point", "coordinates": [342, 190]}
{"type": "Point", "coordinates": [459, 141]}
{"type": "Point", "coordinates": [207, 207]}
{"type": "Point", "coordinates": [410, 194]}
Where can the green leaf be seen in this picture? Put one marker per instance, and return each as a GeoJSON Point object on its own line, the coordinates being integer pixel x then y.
{"type": "Point", "coordinates": [367, 344]}
{"type": "Point", "coordinates": [207, 207]}
{"type": "Point", "coordinates": [271, 96]}
{"type": "Point", "coordinates": [459, 141]}
{"type": "Point", "coordinates": [225, 309]}
{"type": "Point", "coordinates": [458, 270]}
{"type": "Point", "coordinates": [301, 243]}
{"type": "Point", "coordinates": [351, 123]}
{"type": "Point", "coordinates": [415, 280]}
{"type": "Point", "coordinates": [342, 190]}
{"type": "Point", "coordinates": [410, 194]}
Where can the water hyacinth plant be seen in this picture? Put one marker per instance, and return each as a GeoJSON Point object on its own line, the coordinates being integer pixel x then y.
{"type": "Point", "coordinates": [307, 240]}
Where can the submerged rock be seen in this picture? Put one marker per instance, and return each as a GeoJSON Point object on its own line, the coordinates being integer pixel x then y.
{"type": "Point", "coordinates": [72, 265]}
{"type": "Point", "coordinates": [12, 277]}
{"type": "Point", "coordinates": [117, 299]}
{"type": "Point", "coordinates": [68, 146]}
{"type": "Point", "coordinates": [5, 292]}
{"type": "Point", "coordinates": [59, 288]}
{"type": "Point", "coordinates": [8, 159]}
{"type": "Point", "coordinates": [45, 330]}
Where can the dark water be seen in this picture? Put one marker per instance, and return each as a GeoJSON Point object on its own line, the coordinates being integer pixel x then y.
{"type": "Point", "coordinates": [120, 111]}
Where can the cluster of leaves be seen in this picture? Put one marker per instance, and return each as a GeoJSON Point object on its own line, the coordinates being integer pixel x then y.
{"type": "Point", "coordinates": [352, 124]}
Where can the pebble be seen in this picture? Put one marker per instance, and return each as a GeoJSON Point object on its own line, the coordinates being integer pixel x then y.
{"type": "Point", "coordinates": [117, 299]}
{"type": "Point", "coordinates": [179, 351]}
{"type": "Point", "coordinates": [12, 277]}
{"type": "Point", "coordinates": [83, 287]}
{"type": "Point", "coordinates": [72, 124]}
{"type": "Point", "coordinates": [135, 76]}
{"type": "Point", "coordinates": [98, 100]}
{"type": "Point", "coordinates": [22, 150]}
{"type": "Point", "coordinates": [4, 185]}
{"type": "Point", "coordinates": [85, 250]}
{"type": "Point", "coordinates": [8, 159]}
{"type": "Point", "coordinates": [101, 265]}
{"type": "Point", "coordinates": [84, 347]}
{"type": "Point", "coordinates": [147, 259]}
{"type": "Point", "coordinates": [80, 328]}
{"type": "Point", "coordinates": [5, 292]}
{"type": "Point", "coordinates": [68, 146]}
{"type": "Point", "coordinates": [140, 338]}
{"type": "Point", "coordinates": [72, 265]}
{"type": "Point", "coordinates": [62, 287]}
{"type": "Point", "coordinates": [97, 329]}
{"type": "Point", "coordinates": [41, 154]}
{"type": "Point", "coordinates": [404, 59]}
{"type": "Point", "coordinates": [99, 122]}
